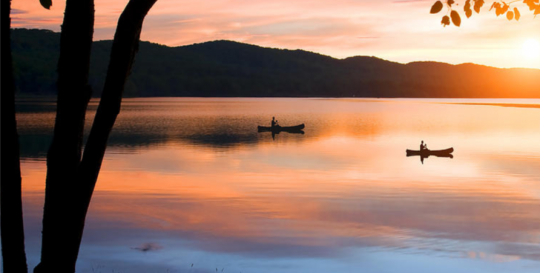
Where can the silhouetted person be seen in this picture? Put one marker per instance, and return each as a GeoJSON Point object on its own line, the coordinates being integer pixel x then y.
{"type": "Point", "coordinates": [423, 146]}
{"type": "Point", "coordinates": [274, 122]}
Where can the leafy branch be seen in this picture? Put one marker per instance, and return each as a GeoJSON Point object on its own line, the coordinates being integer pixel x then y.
{"type": "Point", "coordinates": [500, 8]}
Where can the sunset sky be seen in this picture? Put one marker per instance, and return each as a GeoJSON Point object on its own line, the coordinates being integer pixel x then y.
{"type": "Point", "coordinates": [401, 31]}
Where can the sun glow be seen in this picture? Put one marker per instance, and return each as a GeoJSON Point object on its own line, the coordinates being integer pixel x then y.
{"type": "Point", "coordinates": [531, 49]}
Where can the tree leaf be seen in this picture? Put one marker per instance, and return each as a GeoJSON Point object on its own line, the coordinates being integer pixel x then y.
{"type": "Point", "coordinates": [436, 7]}
{"type": "Point", "coordinates": [509, 16]}
{"type": "Point", "coordinates": [517, 14]}
{"type": "Point", "coordinates": [445, 21]}
{"type": "Point", "coordinates": [46, 3]}
{"type": "Point", "coordinates": [498, 10]}
{"type": "Point", "coordinates": [456, 19]}
{"type": "Point", "coordinates": [477, 5]}
{"type": "Point", "coordinates": [531, 5]}
{"type": "Point", "coordinates": [505, 8]}
{"type": "Point", "coordinates": [467, 9]}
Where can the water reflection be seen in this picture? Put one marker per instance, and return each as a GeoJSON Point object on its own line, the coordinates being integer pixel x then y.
{"type": "Point", "coordinates": [195, 183]}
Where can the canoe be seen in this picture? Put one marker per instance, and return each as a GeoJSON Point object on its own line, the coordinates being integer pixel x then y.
{"type": "Point", "coordinates": [281, 128]}
{"type": "Point", "coordinates": [427, 152]}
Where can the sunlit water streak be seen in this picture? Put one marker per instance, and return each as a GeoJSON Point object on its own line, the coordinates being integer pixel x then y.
{"type": "Point", "coordinates": [195, 179]}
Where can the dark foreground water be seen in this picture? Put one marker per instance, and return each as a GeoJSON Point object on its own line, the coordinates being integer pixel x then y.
{"type": "Point", "coordinates": [192, 182]}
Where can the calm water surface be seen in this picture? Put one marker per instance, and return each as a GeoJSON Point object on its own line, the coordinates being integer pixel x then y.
{"type": "Point", "coordinates": [192, 182]}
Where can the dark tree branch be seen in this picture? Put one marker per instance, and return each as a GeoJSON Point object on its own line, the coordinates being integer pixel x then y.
{"type": "Point", "coordinates": [124, 48]}
{"type": "Point", "coordinates": [13, 254]}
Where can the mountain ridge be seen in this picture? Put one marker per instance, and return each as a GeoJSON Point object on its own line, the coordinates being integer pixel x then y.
{"type": "Point", "coordinates": [225, 68]}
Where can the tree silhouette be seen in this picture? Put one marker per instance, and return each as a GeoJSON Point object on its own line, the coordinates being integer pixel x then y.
{"type": "Point", "coordinates": [499, 7]}
{"type": "Point", "coordinates": [14, 257]}
{"type": "Point", "coordinates": [71, 174]}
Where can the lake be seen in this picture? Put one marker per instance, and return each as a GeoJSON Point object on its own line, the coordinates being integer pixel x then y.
{"type": "Point", "coordinates": [189, 185]}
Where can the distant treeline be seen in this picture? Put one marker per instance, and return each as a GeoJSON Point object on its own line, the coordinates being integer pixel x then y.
{"type": "Point", "coordinates": [231, 69]}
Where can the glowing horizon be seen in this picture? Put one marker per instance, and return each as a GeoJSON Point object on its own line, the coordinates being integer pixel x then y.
{"type": "Point", "coordinates": [399, 31]}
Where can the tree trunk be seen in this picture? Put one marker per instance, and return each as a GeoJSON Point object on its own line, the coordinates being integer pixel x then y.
{"type": "Point", "coordinates": [59, 251]}
{"type": "Point", "coordinates": [14, 257]}
{"type": "Point", "coordinates": [71, 182]}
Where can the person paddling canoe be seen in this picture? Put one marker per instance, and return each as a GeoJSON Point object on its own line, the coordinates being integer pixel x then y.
{"type": "Point", "coordinates": [423, 146]}
{"type": "Point", "coordinates": [274, 122]}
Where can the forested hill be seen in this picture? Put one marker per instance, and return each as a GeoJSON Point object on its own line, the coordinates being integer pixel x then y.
{"type": "Point", "coordinates": [231, 69]}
